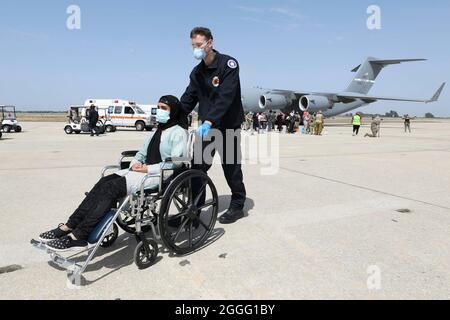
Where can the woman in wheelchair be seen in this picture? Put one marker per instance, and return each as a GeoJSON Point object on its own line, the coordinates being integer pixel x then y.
{"type": "Point", "coordinates": [169, 140]}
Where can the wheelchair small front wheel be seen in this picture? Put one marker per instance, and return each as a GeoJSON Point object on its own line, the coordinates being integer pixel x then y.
{"type": "Point", "coordinates": [109, 240]}
{"type": "Point", "coordinates": [145, 254]}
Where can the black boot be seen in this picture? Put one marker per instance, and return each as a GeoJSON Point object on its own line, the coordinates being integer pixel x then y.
{"type": "Point", "coordinates": [231, 216]}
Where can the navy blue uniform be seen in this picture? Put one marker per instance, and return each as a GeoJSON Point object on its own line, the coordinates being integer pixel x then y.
{"type": "Point", "coordinates": [217, 90]}
{"type": "Point", "coordinates": [93, 119]}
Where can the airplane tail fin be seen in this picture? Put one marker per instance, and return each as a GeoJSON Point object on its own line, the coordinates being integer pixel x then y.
{"type": "Point", "coordinates": [367, 72]}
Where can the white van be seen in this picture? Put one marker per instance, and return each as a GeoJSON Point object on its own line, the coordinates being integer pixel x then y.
{"type": "Point", "coordinates": [124, 113]}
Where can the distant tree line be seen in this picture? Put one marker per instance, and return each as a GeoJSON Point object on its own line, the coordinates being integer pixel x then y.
{"type": "Point", "coordinates": [41, 111]}
{"type": "Point", "coordinates": [390, 114]}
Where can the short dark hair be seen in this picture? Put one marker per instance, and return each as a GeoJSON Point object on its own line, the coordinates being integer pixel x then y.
{"type": "Point", "coordinates": [203, 32]}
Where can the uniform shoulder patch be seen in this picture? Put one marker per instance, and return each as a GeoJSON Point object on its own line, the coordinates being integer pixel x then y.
{"type": "Point", "coordinates": [232, 64]}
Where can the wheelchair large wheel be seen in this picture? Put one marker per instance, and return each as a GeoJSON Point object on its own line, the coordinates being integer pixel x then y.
{"type": "Point", "coordinates": [145, 255]}
{"type": "Point", "coordinates": [188, 212]}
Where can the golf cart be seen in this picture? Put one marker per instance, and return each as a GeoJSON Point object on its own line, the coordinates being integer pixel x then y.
{"type": "Point", "coordinates": [78, 122]}
{"type": "Point", "coordinates": [8, 119]}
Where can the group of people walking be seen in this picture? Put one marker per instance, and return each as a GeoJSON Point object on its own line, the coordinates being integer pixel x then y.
{"type": "Point", "coordinates": [262, 122]}
{"type": "Point", "coordinates": [290, 123]}
{"type": "Point", "coordinates": [313, 123]}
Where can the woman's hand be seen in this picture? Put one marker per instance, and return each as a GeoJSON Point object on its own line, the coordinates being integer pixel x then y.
{"type": "Point", "coordinates": [144, 169]}
{"type": "Point", "coordinates": [139, 167]}
{"type": "Point", "coordinates": [136, 167]}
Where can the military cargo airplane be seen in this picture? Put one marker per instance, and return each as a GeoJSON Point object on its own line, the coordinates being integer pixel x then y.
{"type": "Point", "coordinates": [331, 104]}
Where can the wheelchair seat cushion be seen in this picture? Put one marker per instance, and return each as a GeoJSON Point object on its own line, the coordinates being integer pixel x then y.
{"type": "Point", "coordinates": [95, 235]}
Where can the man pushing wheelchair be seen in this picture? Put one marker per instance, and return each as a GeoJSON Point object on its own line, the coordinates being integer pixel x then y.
{"type": "Point", "coordinates": [180, 209]}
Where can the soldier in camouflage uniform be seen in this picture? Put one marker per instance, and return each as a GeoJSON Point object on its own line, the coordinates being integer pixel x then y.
{"type": "Point", "coordinates": [375, 127]}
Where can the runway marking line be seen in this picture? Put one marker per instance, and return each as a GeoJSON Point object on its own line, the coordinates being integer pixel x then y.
{"type": "Point", "coordinates": [365, 188]}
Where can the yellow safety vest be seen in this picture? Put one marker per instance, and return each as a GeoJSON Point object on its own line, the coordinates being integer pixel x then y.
{"type": "Point", "coordinates": [356, 120]}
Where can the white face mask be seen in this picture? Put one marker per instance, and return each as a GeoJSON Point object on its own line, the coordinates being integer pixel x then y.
{"type": "Point", "coordinates": [162, 116]}
{"type": "Point", "coordinates": [200, 53]}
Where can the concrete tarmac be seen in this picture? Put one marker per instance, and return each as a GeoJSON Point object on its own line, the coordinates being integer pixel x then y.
{"type": "Point", "coordinates": [343, 218]}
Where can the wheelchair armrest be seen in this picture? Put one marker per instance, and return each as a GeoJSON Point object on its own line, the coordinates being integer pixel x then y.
{"type": "Point", "coordinates": [129, 153]}
{"type": "Point", "coordinates": [108, 168]}
{"type": "Point", "coordinates": [177, 160]}
{"type": "Point", "coordinates": [180, 161]}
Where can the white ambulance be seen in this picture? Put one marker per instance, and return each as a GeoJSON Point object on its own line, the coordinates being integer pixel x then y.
{"type": "Point", "coordinates": [150, 109]}
{"type": "Point", "coordinates": [124, 113]}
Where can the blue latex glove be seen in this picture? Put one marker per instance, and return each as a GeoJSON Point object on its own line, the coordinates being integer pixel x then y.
{"type": "Point", "coordinates": [203, 130]}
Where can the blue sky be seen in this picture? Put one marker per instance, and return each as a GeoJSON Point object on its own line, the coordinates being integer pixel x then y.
{"type": "Point", "coordinates": [140, 49]}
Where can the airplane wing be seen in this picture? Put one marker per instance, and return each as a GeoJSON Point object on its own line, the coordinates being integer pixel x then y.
{"type": "Point", "coordinates": [369, 99]}
{"type": "Point", "coordinates": [300, 94]}
{"type": "Point", "coordinates": [287, 92]}
{"type": "Point", "coordinates": [347, 97]}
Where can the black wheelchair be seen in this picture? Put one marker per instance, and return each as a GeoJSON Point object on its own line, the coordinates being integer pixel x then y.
{"type": "Point", "coordinates": [172, 214]}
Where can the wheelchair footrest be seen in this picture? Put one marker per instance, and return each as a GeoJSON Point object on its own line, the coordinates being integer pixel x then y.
{"type": "Point", "coordinates": [56, 258]}
{"type": "Point", "coordinates": [65, 263]}
{"type": "Point", "coordinates": [39, 245]}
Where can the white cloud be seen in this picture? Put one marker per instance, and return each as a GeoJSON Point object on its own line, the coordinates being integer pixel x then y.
{"type": "Point", "coordinates": [288, 13]}
{"type": "Point", "coordinates": [261, 21]}
{"type": "Point", "coordinates": [279, 10]}
{"type": "Point", "coordinates": [271, 15]}
{"type": "Point", "coordinates": [250, 9]}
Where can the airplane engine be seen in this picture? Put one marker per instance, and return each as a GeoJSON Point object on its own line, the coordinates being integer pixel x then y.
{"type": "Point", "coordinates": [315, 103]}
{"type": "Point", "coordinates": [274, 101]}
